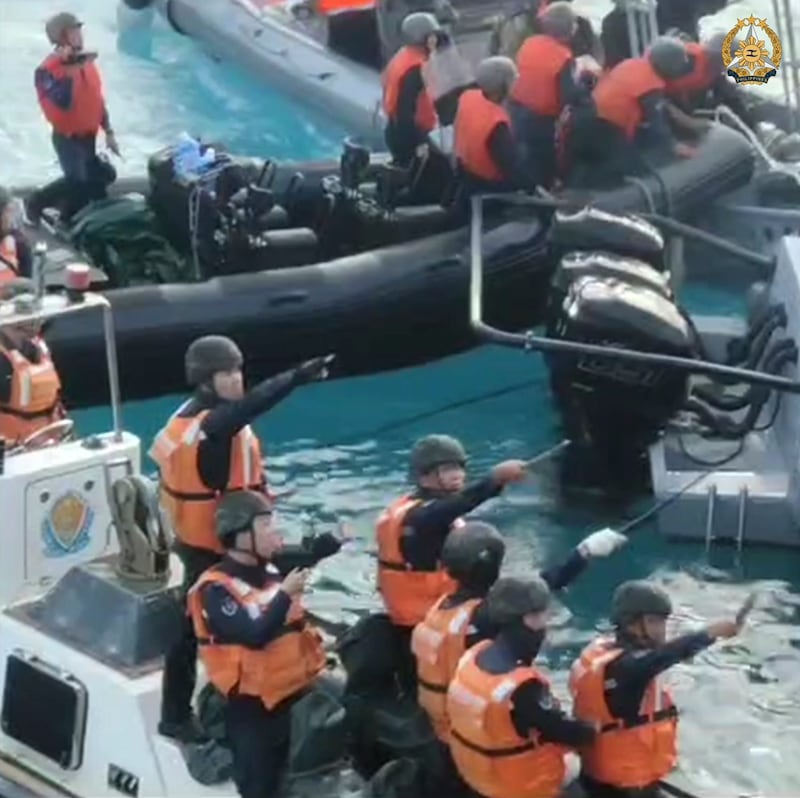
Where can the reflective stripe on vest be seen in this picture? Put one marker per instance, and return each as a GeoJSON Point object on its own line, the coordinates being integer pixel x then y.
{"type": "Point", "coordinates": [35, 393]}
{"type": "Point", "coordinates": [287, 665]}
{"type": "Point", "coordinates": [488, 751]}
{"type": "Point", "coordinates": [438, 644]}
{"type": "Point", "coordinates": [476, 119]}
{"type": "Point", "coordinates": [188, 502]}
{"type": "Point", "coordinates": [617, 97]}
{"type": "Point", "coordinates": [630, 752]}
{"type": "Point", "coordinates": [407, 594]}
{"type": "Point", "coordinates": [541, 60]}
{"type": "Point", "coordinates": [392, 79]}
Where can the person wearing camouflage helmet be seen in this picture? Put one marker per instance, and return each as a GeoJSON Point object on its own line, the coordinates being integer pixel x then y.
{"type": "Point", "coordinates": [409, 109]}
{"type": "Point", "coordinates": [412, 530]}
{"type": "Point", "coordinates": [472, 557]}
{"type": "Point", "coordinates": [628, 117]}
{"type": "Point", "coordinates": [208, 447]}
{"type": "Point", "coordinates": [266, 654]}
{"type": "Point", "coordinates": [548, 82]}
{"type": "Point", "coordinates": [498, 701]}
{"type": "Point", "coordinates": [70, 93]}
{"type": "Point", "coordinates": [16, 253]}
{"type": "Point", "coordinates": [485, 147]}
{"type": "Point", "coordinates": [614, 684]}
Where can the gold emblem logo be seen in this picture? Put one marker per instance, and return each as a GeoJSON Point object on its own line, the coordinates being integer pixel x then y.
{"type": "Point", "coordinates": [752, 51]}
{"type": "Point", "coordinates": [67, 526]}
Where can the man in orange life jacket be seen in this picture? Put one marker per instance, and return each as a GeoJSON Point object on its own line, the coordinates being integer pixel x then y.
{"type": "Point", "coordinates": [70, 94]}
{"type": "Point", "coordinates": [409, 110]}
{"type": "Point", "coordinates": [614, 684]}
{"type": "Point", "coordinates": [706, 85]}
{"type": "Point", "coordinates": [412, 530]}
{"type": "Point", "coordinates": [472, 557]}
{"type": "Point", "coordinates": [206, 448]}
{"type": "Point", "coordinates": [547, 82]}
{"type": "Point", "coordinates": [485, 147]}
{"type": "Point", "coordinates": [16, 255]}
{"type": "Point", "coordinates": [255, 643]}
{"type": "Point", "coordinates": [628, 117]}
{"type": "Point", "coordinates": [508, 736]}
{"type": "Point", "coordinates": [30, 388]}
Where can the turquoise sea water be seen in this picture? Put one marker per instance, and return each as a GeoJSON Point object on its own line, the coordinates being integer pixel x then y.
{"type": "Point", "coordinates": [328, 442]}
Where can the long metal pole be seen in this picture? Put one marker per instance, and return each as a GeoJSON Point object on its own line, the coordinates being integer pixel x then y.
{"type": "Point", "coordinates": [476, 261]}
{"type": "Point", "coordinates": [113, 371]}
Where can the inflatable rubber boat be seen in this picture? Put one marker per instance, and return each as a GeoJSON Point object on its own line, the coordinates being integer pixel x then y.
{"type": "Point", "coordinates": [89, 606]}
{"type": "Point", "coordinates": [300, 260]}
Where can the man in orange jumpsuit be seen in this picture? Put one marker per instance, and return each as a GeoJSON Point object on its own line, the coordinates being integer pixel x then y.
{"type": "Point", "coordinates": [615, 685]}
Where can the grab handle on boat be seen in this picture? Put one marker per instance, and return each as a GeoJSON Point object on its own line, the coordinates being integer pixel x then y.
{"type": "Point", "coordinates": [289, 298]}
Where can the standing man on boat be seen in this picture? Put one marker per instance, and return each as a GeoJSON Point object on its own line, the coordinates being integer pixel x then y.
{"type": "Point", "coordinates": [255, 643]}
{"type": "Point", "coordinates": [615, 685]}
{"type": "Point", "coordinates": [409, 109]}
{"type": "Point", "coordinates": [548, 81]}
{"type": "Point", "coordinates": [70, 93]}
{"type": "Point", "coordinates": [412, 530]}
{"type": "Point", "coordinates": [206, 448]}
{"type": "Point", "coordinates": [30, 388]}
{"type": "Point", "coordinates": [16, 255]}
{"type": "Point", "coordinates": [485, 146]}
{"type": "Point", "coordinates": [508, 734]}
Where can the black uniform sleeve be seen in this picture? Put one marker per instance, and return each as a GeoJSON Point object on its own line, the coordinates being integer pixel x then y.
{"type": "Point", "coordinates": [224, 422]}
{"type": "Point", "coordinates": [655, 129]}
{"type": "Point", "coordinates": [559, 576]}
{"type": "Point", "coordinates": [6, 375]}
{"type": "Point", "coordinates": [535, 709]}
{"type": "Point", "coordinates": [503, 150]}
{"type": "Point", "coordinates": [410, 88]}
{"type": "Point", "coordinates": [726, 93]}
{"type": "Point", "coordinates": [230, 622]}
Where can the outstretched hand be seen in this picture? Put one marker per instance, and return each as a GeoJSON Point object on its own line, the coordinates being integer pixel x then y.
{"type": "Point", "coordinates": [315, 369]}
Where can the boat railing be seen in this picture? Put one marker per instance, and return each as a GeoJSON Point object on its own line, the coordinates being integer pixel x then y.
{"type": "Point", "coordinates": [38, 307]}
{"type": "Point", "coordinates": [642, 24]}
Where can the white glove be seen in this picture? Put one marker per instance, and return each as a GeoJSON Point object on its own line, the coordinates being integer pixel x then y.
{"type": "Point", "coordinates": [601, 543]}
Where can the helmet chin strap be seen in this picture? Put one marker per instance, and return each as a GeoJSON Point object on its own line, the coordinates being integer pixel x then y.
{"type": "Point", "coordinates": [251, 552]}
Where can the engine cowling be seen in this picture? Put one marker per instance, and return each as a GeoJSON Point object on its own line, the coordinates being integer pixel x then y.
{"type": "Point", "coordinates": [594, 229]}
{"type": "Point", "coordinates": [610, 407]}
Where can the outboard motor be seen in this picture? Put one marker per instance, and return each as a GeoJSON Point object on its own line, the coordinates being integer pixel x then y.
{"type": "Point", "coordinates": [575, 265]}
{"type": "Point", "coordinates": [594, 229]}
{"type": "Point", "coordinates": [613, 409]}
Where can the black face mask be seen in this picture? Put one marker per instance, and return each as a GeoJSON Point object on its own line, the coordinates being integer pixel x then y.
{"type": "Point", "coordinates": [525, 642]}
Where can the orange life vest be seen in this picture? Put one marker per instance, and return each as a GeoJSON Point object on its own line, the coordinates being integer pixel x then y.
{"type": "Point", "coordinates": [476, 118]}
{"type": "Point", "coordinates": [328, 8]}
{"type": "Point", "coordinates": [617, 96]}
{"type": "Point", "coordinates": [187, 500]}
{"type": "Point", "coordinates": [407, 594]}
{"type": "Point", "coordinates": [626, 754]}
{"type": "Point", "coordinates": [489, 753]}
{"type": "Point", "coordinates": [401, 64]}
{"type": "Point", "coordinates": [9, 260]}
{"type": "Point", "coordinates": [438, 643]}
{"type": "Point", "coordinates": [284, 667]}
{"type": "Point", "coordinates": [541, 60]}
{"type": "Point", "coordinates": [35, 393]}
{"type": "Point", "coordinates": [85, 113]}
{"type": "Point", "coordinates": [699, 80]}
